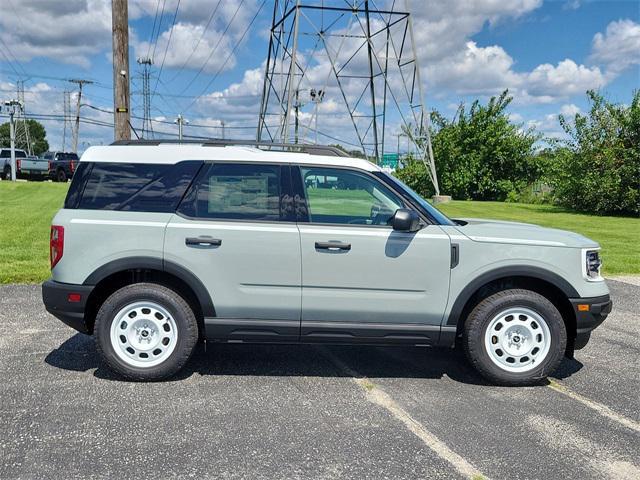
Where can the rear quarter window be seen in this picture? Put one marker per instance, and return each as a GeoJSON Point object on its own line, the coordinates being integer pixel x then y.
{"type": "Point", "coordinates": [130, 187]}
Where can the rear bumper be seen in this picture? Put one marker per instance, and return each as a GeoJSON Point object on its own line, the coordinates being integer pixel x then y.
{"type": "Point", "coordinates": [590, 313]}
{"type": "Point", "coordinates": [55, 296]}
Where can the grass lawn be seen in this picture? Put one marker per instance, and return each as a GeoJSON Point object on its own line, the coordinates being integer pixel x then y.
{"type": "Point", "coordinates": [26, 210]}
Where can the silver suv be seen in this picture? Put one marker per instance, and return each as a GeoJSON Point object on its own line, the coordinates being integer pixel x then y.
{"type": "Point", "coordinates": [162, 244]}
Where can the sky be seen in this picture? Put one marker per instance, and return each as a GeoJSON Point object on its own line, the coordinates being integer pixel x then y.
{"type": "Point", "coordinates": [209, 62]}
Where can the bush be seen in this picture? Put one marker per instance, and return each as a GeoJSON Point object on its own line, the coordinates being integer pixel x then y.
{"type": "Point", "coordinates": [480, 154]}
{"type": "Point", "coordinates": [598, 170]}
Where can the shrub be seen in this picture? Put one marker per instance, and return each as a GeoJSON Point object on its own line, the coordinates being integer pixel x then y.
{"type": "Point", "coordinates": [598, 170]}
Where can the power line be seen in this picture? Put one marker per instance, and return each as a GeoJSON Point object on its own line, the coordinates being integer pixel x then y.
{"type": "Point", "coordinates": [233, 50]}
{"type": "Point", "coordinates": [15, 60]}
{"type": "Point", "coordinates": [153, 29]}
{"type": "Point", "coordinates": [197, 43]}
{"type": "Point", "coordinates": [214, 48]}
{"type": "Point", "coordinates": [155, 44]}
{"type": "Point", "coordinates": [166, 48]}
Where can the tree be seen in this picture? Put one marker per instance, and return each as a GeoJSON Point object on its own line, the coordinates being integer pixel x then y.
{"type": "Point", "coordinates": [480, 154]}
{"type": "Point", "coordinates": [37, 134]}
{"type": "Point", "coordinates": [598, 168]}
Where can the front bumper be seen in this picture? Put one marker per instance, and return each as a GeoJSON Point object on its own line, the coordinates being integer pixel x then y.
{"type": "Point", "coordinates": [56, 298]}
{"type": "Point", "coordinates": [590, 313]}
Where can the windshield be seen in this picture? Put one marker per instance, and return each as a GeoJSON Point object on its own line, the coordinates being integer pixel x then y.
{"type": "Point", "coordinates": [440, 217]}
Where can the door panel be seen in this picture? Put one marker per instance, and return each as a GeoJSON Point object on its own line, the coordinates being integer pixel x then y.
{"type": "Point", "coordinates": [235, 231]}
{"type": "Point", "coordinates": [251, 270]}
{"type": "Point", "coordinates": [357, 270]}
{"type": "Point", "coordinates": [385, 276]}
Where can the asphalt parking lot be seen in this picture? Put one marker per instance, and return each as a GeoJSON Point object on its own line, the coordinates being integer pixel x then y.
{"type": "Point", "coordinates": [241, 411]}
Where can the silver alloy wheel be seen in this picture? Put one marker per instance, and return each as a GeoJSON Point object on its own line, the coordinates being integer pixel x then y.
{"type": "Point", "coordinates": [143, 334]}
{"type": "Point", "coordinates": [517, 339]}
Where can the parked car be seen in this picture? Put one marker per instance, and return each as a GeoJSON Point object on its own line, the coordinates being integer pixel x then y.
{"type": "Point", "coordinates": [5, 161]}
{"type": "Point", "coordinates": [159, 245]}
{"type": "Point", "coordinates": [62, 165]}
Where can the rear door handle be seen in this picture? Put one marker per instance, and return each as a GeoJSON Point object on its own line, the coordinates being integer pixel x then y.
{"type": "Point", "coordinates": [333, 246]}
{"type": "Point", "coordinates": [202, 242]}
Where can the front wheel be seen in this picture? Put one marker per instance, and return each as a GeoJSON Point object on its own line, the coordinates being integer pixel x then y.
{"type": "Point", "coordinates": [145, 332]}
{"type": "Point", "coordinates": [515, 337]}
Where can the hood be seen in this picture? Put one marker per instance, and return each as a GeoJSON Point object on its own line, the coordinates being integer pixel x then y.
{"type": "Point", "coordinates": [496, 231]}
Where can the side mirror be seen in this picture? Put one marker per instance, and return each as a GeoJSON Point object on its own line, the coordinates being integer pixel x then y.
{"type": "Point", "coordinates": [405, 220]}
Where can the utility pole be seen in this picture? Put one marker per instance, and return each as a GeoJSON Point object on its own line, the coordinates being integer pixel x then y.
{"type": "Point", "coordinates": [67, 117]}
{"type": "Point", "coordinates": [222, 125]}
{"type": "Point", "coordinates": [316, 97]}
{"type": "Point", "coordinates": [181, 121]}
{"type": "Point", "coordinates": [12, 104]}
{"type": "Point", "coordinates": [120, 30]}
{"type": "Point", "coordinates": [76, 130]}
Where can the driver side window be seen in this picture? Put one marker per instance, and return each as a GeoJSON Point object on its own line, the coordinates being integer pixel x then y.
{"type": "Point", "coordinates": [341, 196]}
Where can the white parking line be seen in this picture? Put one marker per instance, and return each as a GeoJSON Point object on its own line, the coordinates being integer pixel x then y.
{"type": "Point", "coordinates": [379, 397]}
{"type": "Point", "coordinates": [598, 407]}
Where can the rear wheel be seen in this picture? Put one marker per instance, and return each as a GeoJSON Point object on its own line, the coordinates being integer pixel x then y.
{"type": "Point", "coordinates": [61, 176]}
{"type": "Point", "coordinates": [6, 175]}
{"type": "Point", "coordinates": [515, 337]}
{"type": "Point", "coordinates": [145, 332]}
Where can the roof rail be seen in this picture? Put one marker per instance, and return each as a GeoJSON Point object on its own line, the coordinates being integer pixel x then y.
{"type": "Point", "coordinates": [310, 149]}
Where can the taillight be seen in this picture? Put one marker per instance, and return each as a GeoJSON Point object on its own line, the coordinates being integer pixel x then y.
{"type": "Point", "coordinates": [56, 244]}
{"type": "Point", "coordinates": [49, 164]}
{"type": "Point", "coordinates": [72, 166]}
{"type": "Point", "coordinates": [18, 163]}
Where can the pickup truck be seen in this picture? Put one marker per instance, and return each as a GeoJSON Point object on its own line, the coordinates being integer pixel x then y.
{"type": "Point", "coordinates": [62, 165]}
{"type": "Point", "coordinates": [27, 166]}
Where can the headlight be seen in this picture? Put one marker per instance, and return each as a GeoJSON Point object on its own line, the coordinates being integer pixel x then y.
{"type": "Point", "coordinates": [592, 264]}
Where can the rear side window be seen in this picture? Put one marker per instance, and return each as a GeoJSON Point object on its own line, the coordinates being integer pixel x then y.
{"type": "Point", "coordinates": [130, 187]}
{"type": "Point", "coordinates": [237, 191]}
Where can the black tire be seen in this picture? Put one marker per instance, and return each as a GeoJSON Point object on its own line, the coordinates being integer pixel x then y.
{"type": "Point", "coordinates": [61, 176]}
{"type": "Point", "coordinates": [178, 308]}
{"type": "Point", "coordinates": [479, 321]}
{"type": "Point", "coordinates": [6, 175]}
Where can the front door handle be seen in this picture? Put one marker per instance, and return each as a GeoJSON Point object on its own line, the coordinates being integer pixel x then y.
{"type": "Point", "coordinates": [334, 246]}
{"type": "Point", "coordinates": [202, 242]}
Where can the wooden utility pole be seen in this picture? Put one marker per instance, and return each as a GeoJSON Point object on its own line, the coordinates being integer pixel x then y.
{"type": "Point", "coordinates": [76, 130]}
{"type": "Point", "coordinates": [120, 29]}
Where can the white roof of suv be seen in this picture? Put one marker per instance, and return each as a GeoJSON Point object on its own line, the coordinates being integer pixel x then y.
{"type": "Point", "coordinates": [171, 153]}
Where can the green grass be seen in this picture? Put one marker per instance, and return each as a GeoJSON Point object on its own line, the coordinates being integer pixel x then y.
{"type": "Point", "coordinates": [26, 210]}
{"type": "Point", "coordinates": [619, 237]}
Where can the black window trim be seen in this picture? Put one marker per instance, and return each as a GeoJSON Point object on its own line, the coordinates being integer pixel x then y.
{"type": "Point", "coordinates": [425, 217]}
{"type": "Point", "coordinates": [285, 180]}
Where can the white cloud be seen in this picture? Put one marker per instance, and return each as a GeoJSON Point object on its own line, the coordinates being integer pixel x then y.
{"type": "Point", "coordinates": [68, 31]}
{"type": "Point", "coordinates": [570, 110]}
{"type": "Point", "coordinates": [196, 42]}
{"type": "Point", "coordinates": [619, 47]}
{"type": "Point", "coordinates": [563, 80]}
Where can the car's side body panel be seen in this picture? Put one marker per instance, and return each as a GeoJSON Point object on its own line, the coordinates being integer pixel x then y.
{"type": "Point", "coordinates": [254, 272]}
{"type": "Point", "coordinates": [386, 276]}
{"type": "Point", "coordinates": [94, 238]}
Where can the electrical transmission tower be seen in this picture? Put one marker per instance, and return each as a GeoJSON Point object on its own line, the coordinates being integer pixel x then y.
{"type": "Point", "coordinates": [147, 126]}
{"type": "Point", "coordinates": [21, 124]}
{"type": "Point", "coordinates": [363, 59]}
